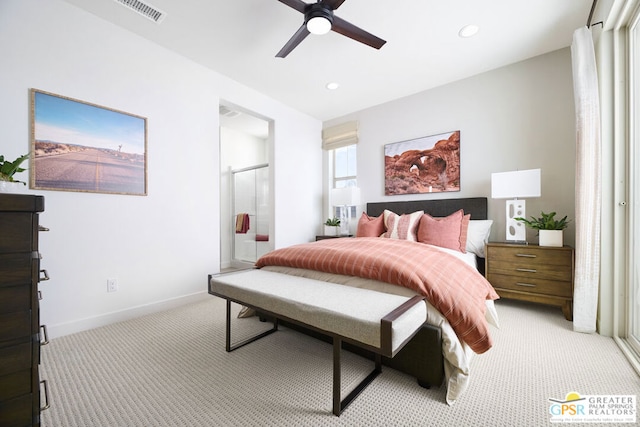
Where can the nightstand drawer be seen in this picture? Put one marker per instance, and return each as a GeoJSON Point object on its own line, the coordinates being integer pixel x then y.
{"type": "Point", "coordinates": [530, 270]}
{"type": "Point", "coordinates": [530, 255]}
{"type": "Point", "coordinates": [541, 286]}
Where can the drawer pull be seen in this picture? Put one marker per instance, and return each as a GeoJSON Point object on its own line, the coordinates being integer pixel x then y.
{"type": "Point", "coordinates": [45, 335]}
{"type": "Point", "coordinates": [526, 255]}
{"type": "Point", "coordinates": [42, 228]}
{"type": "Point", "coordinates": [528, 285]}
{"type": "Point", "coordinates": [45, 387]}
{"type": "Point", "coordinates": [39, 295]}
{"type": "Point", "coordinates": [527, 270]}
{"type": "Point", "coordinates": [44, 275]}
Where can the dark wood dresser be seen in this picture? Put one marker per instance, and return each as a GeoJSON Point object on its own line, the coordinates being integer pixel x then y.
{"type": "Point", "coordinates": [19, 310]}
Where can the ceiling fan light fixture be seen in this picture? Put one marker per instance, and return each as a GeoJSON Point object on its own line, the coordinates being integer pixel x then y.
{"type": "Point", "coordinates": [318, 19]}
{"type": "Point", "coordinates": [318, 25]}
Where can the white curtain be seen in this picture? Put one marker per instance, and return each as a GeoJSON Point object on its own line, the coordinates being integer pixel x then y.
{"type": "Point", "coordinates": [588, 183]}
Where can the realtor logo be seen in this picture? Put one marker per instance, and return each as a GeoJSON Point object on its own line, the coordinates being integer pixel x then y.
{"type": "Point", "coordinates": [575, 408]}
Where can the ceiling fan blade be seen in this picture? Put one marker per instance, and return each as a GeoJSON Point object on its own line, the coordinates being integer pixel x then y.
{"type": "Point", "coordinates": [333, 4]}
{"type": "Point", "coordinates": [358, 34]}
{"type": "Point", "coordinates": [298, 5]}
{"type": "Point", "coordinates": [293, 41]}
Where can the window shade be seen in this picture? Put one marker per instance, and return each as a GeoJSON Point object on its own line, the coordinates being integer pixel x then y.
{"type": "Point", "coordinates": [340, 136]}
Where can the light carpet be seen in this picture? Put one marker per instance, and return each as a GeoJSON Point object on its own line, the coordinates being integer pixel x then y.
{"type": "Point", "coordinates": [171, 369]}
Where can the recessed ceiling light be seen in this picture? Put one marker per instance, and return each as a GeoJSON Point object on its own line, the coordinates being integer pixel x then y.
{"type": "Point", "coordinates": [332, 86]}
{"type": "Point", "coordinates": [468, 31]}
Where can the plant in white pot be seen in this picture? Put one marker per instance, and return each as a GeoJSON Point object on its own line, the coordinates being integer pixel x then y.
{"type": "Point", "coordinates": [332, 227]}
{"type": "Point", "coordinates": [7, 170]}
{"type": "Point", "coordinates": [549, 228]}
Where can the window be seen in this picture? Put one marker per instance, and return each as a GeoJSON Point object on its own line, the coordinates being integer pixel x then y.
{"type": "Point", "coordinates": [344, 175]}
{"type": "Point", "coordinates": [344, 167]}
{"type": "Point", "coordinates": [340, 143]}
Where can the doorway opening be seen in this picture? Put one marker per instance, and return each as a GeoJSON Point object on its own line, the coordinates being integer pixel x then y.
{"type": "Point", "coordinates": [245, 196]}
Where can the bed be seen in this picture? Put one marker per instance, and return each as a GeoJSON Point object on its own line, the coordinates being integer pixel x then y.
{"type": "Point", "coordinates": [435, 354]}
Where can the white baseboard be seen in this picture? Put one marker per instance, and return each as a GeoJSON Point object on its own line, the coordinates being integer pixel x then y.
{"type": "Point", "coordinates": [80, 325]}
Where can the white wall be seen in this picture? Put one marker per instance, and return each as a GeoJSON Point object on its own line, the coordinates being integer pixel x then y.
{"type": "Point", "coordinates": [516, 117]}
{"type": "Point", "coordinates": [160, 247]}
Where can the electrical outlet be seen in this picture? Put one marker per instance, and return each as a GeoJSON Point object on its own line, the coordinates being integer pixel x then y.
{"type": "Point", "coordinates": [112, 285]}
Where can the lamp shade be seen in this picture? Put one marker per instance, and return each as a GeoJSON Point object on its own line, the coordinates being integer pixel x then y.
{"type": "Point", "coordinates": [345, 196]}
{"type": "Point", "coordinates": [507, 185]}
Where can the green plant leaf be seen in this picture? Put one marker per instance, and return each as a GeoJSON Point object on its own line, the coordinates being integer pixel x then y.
{"type": "Point", "coordinates": [8, 169]}
{"type": "Point", "coordinates": [333, 222]}
{"type": "Point", "coordinates": [545, 222]}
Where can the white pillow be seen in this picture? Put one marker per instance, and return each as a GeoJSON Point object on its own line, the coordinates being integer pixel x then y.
{"type": "Point", "coordinates": [478, 236]}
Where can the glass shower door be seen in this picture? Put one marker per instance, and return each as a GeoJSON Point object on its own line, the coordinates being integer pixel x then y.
{"type": "Point", "coordinates": [251, 214]}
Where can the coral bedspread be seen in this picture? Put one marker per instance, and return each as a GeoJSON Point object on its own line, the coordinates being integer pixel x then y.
{"type": "Point", "coordinates": [456, 289]}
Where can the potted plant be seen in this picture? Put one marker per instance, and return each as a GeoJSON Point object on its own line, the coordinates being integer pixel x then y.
{"type": "Point", "coordinates": [332, 227]}
{"type": "Point", "coordinates": [549, 228]}
{"type": "Point", "coordinates": [8, 170]}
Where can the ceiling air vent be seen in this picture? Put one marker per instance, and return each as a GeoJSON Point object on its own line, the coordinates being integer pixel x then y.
{"type": "Point", "coordinates": [144, 9]}
{"type": "Point", "coordinates": [228, 112]}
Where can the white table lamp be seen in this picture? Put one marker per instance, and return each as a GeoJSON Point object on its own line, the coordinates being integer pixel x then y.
{"type": "Point", "coordinates": [345, 197]}
{"type": "Point", "coordinates": [516, 184]}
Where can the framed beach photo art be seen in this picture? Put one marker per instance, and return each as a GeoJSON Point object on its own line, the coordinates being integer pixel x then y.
{"type": "Point", "coordinates": [78, 146]}
{"type": "Point", "coordinates": [430, 164]}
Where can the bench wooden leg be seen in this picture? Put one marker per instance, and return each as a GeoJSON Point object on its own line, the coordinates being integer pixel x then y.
{"type": "Point", "coordinates": [339, 404]}
{"type": "Point", "coordinates": [229, 347]}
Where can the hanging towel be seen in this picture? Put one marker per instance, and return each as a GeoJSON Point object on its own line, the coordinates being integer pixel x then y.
{"type": "Point", "coordinates": [242, 223]}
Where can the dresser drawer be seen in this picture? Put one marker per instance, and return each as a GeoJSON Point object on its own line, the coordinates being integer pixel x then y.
{"type": "Point", "coordinates": [15, 325]}
{"type": "Point", "coordinates": [16, 230]}
{"type": "Point", "coordinates": [15, 384]}
{"type": "Point", "coordinates": [530, 270]}
{"type": "Point", "coordinates": [531, 255]}
{"type": "Point", "coordinates": [15, 269]}
{"type": "Point", "coordinates": [17, 412]}
{"type": "Point", "coordinates": [540, 286]}
{"type": "Point", "coordinates": [15, 298]}
{"type": "Point", "coordinates": [15, 358]}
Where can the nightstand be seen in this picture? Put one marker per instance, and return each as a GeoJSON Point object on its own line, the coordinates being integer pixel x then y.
{"type": "Point", "coordinates": [533, 273]}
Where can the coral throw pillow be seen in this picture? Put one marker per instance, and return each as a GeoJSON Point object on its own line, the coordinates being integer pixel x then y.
{"type": "Point", "coordinates": [370, 226]}
{"type": "Point", "coordinates": [445, 232]}
{"type": "Point", "coordinates": [402, 227]}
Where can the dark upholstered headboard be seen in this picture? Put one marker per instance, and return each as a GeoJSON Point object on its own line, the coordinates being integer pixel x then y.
{"type": "Point", "coordinates": [476, 206]}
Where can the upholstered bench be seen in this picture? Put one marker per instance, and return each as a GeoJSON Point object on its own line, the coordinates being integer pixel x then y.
{"type": "Point", "coordinates": [379, 322]}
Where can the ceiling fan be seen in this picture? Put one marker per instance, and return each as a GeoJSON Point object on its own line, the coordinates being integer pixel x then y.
{"type": "Point", "coordinates": [319, 19]}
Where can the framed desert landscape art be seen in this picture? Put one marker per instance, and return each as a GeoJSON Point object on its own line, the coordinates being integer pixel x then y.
{"type": "Point", "coordinates": [78, 146]}
{"type": "Point", "coordinates": [430, 164]}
